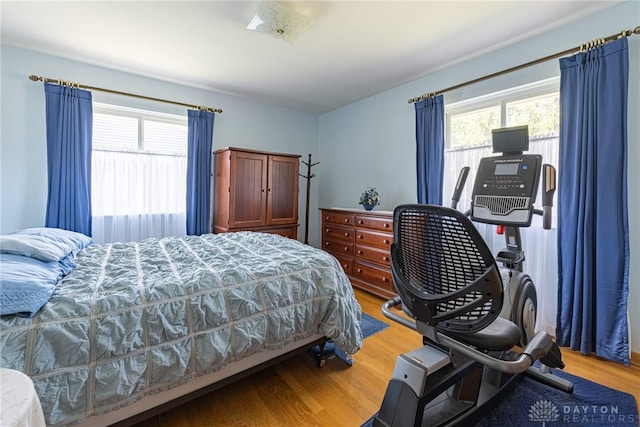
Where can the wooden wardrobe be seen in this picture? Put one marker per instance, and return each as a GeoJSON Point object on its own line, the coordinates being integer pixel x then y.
{"type": "Point", "coordinates": [255, 190]}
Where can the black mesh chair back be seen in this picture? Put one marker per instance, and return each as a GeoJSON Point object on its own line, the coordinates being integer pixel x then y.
{"type": "Point", "coordinates": [443, 271]}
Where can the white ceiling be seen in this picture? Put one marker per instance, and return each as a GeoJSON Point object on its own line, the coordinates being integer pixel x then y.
{"type": "Point", "coordinates": [353, 50]}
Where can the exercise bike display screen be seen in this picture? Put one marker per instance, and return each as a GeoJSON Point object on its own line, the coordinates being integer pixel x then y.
{"type": "Point", "coordinates": [505, 189]}
{"type": "Point", "coordinates": [506, 169]}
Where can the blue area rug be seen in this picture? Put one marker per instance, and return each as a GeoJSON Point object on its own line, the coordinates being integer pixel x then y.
{"type": "Point", "coordinates": [534, 404]}
{"type": "Point", "coordinates": [369, 325]}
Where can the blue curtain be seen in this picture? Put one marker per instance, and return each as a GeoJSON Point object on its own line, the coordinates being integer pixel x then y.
{"type": "Point", "coordinates": [69, 121]}
{"type": "Point", "coordinates": [593, 229]}
{"type": "Point", "coordinates": [430, 149]}
{"type": "Point", "coordinates": [199, 155]}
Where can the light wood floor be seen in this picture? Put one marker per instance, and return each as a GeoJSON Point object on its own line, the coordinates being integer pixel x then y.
{"type": "Point", "coordinates": [297, 393]}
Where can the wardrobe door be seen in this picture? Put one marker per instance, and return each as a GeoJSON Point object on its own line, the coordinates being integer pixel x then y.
{"type": "Point", "coordinates": [282, 190]}
{"type": "Point", "coordinates": [248, 189]}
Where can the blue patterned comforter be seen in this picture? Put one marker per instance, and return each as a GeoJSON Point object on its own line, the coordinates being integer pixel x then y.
{"type": "Point", "coordinates": [137, 318]}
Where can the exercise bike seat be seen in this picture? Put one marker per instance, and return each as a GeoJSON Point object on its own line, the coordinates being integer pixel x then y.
{"type": "Point", "coordinates": [499, 335]}
{"type": "Point", "coordinates": [447, 277]}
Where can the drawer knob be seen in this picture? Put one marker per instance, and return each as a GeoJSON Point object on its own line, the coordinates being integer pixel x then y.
{"type": "Point", "coordinates": [385, 241]}
{"type": "Point", "coordinates": [361, 222]}
{"type": "Point", "coordinates": [386, 226]}
{"type": "Point", "coordinates": [345, 265]}
{"type": "Point", "coordinates": [384, 258]}
{"type": "Point", "coordinates": [326, 243]}
{"type": "Point", "coordinates": [346, 248]}
{"type": "Point", "coordinates": [359, 270]}
{"type": "Point", "coordinates": [326, 231]}
{"type": "Point", "coordinates": [346, 234]}
{"type": "Point", "coordinates": [360, 236]}
{"type": "Point", "coordinates": [384, 279]}
{"type": "Point", "coordinates": [327, 217]}
{"type": "Point", "coordinates": [346, 220]}
{"type": "Point", "coordinates": [359, 252]}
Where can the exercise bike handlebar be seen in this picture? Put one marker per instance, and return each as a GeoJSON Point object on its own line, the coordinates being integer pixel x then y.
{"type": "Point", "coordinates": [537, 347]}
{"type": "Point", "coordinates": [548, 190]}
{"type": "Point", "coordinates": [462, 179]}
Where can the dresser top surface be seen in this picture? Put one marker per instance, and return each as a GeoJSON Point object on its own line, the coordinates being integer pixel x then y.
{"type": "Point", "coordinates": [360, 211]}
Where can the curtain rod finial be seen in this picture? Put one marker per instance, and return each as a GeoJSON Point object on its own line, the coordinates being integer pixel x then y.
{"type": "Point", "coordinates": [34, 78]}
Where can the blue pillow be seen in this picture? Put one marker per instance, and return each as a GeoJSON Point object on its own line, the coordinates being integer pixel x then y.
{"type": "Point", "coordinates": [67, 264]}
{"type": "Point", "coordinates": [26, 284]}
{"type": "Point", "coordinates": [45, 244]}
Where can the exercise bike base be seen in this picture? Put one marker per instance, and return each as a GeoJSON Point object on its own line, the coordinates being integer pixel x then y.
{"type": "Point", "coordinates": [401, 407]}
{"type": "Point", "coordinates": [549, 379]}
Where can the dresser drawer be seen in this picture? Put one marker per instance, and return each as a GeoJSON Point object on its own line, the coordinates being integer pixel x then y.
{"type": "Point", "coordinates": [338, 248]}
{"type": "Point", "coordinates": [338, 217]}
{"type": "Point", "coordinates": [337, 232]}
{"type": "Point", "coordinates": [377, 239]}
{"type": "Point", "coordinates": [375, 223]}
{"type": "Point", "coordinates": [377, 256]}
{"type": "Point", "coordinates": [346, 263]}
{"type": "Point", "coordinates": [376, 276]}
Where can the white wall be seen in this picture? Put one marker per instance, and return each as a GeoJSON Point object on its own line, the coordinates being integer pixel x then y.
{"type": "Point", "coordinates": [372, 142]}
{"type": "Point", "coordinates": [23, 165]}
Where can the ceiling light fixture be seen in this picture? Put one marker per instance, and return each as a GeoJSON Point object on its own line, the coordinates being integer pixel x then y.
{"type": "Point", "coordinates": [279, 21]}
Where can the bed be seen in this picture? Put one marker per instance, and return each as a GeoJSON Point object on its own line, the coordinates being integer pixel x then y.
{"type": "Point", "coordinates": [128, 327]}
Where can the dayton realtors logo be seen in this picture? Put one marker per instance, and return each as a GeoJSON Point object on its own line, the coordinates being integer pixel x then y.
{"type": "Point", "coordinates": [546, 412]}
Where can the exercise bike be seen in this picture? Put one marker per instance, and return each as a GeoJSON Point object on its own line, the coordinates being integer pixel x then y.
{"type": "Point", "coordinates": [476, 345]}
{"type": "Point", "coordinates": [504, 194]}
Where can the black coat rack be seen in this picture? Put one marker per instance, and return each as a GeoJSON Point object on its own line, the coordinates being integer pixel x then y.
{"type": "Point", "coordinates": [308, 176]}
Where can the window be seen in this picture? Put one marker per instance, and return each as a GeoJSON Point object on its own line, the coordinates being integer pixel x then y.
{"type": "Point", "coordinates": [139, 163]}
{"type": "Point", "coordinates": [468, 126]}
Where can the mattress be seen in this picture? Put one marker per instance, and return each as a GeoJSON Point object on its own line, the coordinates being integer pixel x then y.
{"type": "Point", "coordinates": [136, 319]}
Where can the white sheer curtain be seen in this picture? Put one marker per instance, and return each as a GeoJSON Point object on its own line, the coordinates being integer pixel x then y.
{"type": "Point", "coordinates": [539, 245]}
{"type": "Point", "coordinates": [137, 195]}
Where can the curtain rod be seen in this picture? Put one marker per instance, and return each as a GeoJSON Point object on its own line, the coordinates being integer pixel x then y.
{"type": "Point", "coordinates": [117, 92]}
{"type": "Point", "coordinates": [585, 46]}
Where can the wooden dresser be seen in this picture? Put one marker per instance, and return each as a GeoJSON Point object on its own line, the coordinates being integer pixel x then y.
{"type": "Point", "coordinates": [256, 191]}
{"type": "Point", "coordinates": [361, 241]}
